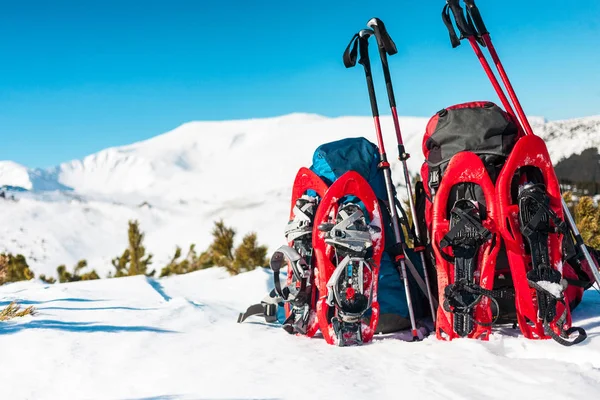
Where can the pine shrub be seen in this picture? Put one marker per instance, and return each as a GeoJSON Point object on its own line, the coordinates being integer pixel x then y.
{"type": "Point", "coordinates": [65, 276]}
{"type": "Point", "coordinates": [14, 268]}
{"type": "Point", "coordinates": [134, 260]}
{"type": "Point", "coordinates": [246, 257]}
{"type": "Point", "coordinates": [587, 217]}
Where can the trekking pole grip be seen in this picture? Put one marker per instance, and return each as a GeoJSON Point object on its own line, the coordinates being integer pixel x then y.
{"type": "Point", "coordinates": [459, 17]}
{"type": "Point", "coordinates": [476, 16]}
{"type": "Point", "coordinates": [386, 47]}
{"type": "Point", "coordinates": [384, 41]}
{"type": "Point", "coordinates": [365, 61]}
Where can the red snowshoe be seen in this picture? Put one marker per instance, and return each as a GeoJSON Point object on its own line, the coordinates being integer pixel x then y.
{"type": "Point", "coordinates": [301, 313]}
{"type": "Point", "coordinates": [348, 244]}
{"type": "Point", "coordinates": [532, 220]}
{"type": "Point", "coordinates": [299, 295]}
{"type": "Point", "coordinates": [466, 269]}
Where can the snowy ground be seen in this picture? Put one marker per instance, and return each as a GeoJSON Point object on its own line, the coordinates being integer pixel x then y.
{"type": "Point", "coordinates": [176, 338]}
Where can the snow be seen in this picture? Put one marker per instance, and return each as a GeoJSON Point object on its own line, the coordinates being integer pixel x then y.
{"type": "Point", "coordinates": [177, 338]}
{"type": "Point", "coordinates": [555, 289]}
{"type": "Point", "coordinates": [13, 174]}
{"type": "Point", "coordinates": [176, 184]}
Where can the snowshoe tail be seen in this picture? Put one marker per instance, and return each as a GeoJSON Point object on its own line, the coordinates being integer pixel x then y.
{"type": "Point", "coordinates": [465, 246]}
{"type": "Point", "coordinates": [534, 221]}
{"type": "Point", "coordinates": [348, 245]}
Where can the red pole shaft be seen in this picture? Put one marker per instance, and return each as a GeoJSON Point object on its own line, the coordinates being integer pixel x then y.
{"type": "Point", "coordinates": [509, 87]}
{"type": "Point", "coordinates": [379, 135]}
{"type": "Point", "coordinates": [492, 77]}
{"type": "Point", "coordinates": [397, 126]}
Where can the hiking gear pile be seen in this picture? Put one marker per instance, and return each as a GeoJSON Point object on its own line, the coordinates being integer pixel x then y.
{"type": "Point", "coordinates": [489, 223]}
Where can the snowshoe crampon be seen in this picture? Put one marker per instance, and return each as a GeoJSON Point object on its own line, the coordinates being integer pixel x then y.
{"type": "Point", "coordinates": [466, 247]}
{"type": "Point", "coordinates": [533, 221]}
{"type": "Point", "coordinates": [348, 244]}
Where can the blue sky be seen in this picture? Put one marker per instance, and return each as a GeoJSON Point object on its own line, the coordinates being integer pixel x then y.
{"type": "Point", "coordinates": [79, 76]}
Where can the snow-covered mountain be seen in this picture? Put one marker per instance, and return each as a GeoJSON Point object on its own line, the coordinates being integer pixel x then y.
{"type": "Point", "coordinates": [178, 183]}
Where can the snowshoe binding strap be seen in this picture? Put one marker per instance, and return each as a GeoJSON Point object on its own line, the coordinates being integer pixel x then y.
{"type": "Point", "coordinates": [535, 213]}
{"type": "Point", "coordinates": [466, 229]}
{"type": "Point", "coordinates": [304, 212]}
{"type": "Point", "coordinates": [461, 297]}
{"type": "Point", "coordinates": [535, 217]}
{"type": "Point", "coordinates": [284, 256]}
{"type": "Point", "coordinates": [465, 237]}
{"type": "Point", "coordinates": [266, 308]}
{"type": "Point", "coordinates": [550, 289]}
{"type": "Point", "coordinates": [297, 294]}
{"type": "Point", "coordinates": [351, 234]}
{"type": "Point", "coordinates": [348, 294]}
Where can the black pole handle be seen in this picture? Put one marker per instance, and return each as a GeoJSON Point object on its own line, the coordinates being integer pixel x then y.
{"type": "Point", "coordinates": [473, 11]}
{"type": "Point", "coordinates": [386, 47]}
{"type": "Point", "coordinates": [464, 27]}
{"type": "Point", "coordinates": [454, 39]}
{"type": "Point", "coordinates": [365, 61]}
{"type": "Point", "coordinates": [359, 45]}
{"type": "Point", "coordinates": [351, 52]}
{"type": "Point", "coordinates": [384, 40]}
{"type": "Point", "coordinates": [363, 40]}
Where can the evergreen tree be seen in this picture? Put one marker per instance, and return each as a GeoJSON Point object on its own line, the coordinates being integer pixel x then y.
{"type": "Point", "coordinates": [220, 253]}
{"type": "Point", "coordinates": [587, 216]}
{"type": "Point", "coordinates": [120, 264]}
{"type": "Point", "coordinates": [221, 250]}
{"type": "Point", "coordinates": [14, 269]}
{"type": "Point", "coordinates": [134, 260]}
{"type": "Point", "coordinates": [249, 255]}
{"type": "Point", "coordinates": [138, 261]}
{"type": "Point", "coordinates": [66, 276]}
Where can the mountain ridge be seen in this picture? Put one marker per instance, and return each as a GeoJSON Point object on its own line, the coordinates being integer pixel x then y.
{"type": "Point", "coordinates": [146, 158]}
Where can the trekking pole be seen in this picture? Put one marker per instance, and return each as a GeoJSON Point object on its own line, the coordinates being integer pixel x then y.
{"type": "Point", "coordinates": [387, 47]}
{"type": "Point", "coordinates": [468, 32]}
{"type": "Point", "coordinates": [482, 32]}
{"type": "Point", "coordinates": [360, 42]}
{"type": "Point", "coordinates": [474, 28]}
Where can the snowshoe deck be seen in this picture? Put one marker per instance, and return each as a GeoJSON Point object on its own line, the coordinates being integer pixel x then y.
{"type": "Point", "coordinates": [348, 244]}
{"type": "Point", "coordinates": [466, 273]}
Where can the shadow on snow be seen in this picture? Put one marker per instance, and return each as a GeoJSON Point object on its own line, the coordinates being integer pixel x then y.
{"type": "Point", "coordinates": [158, 288]}
{"type": "Point", "coordinates": [84, 327]}
{"type": "Point", "coordinates": [34, 302]}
